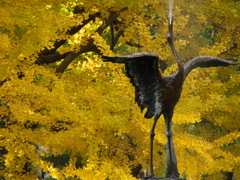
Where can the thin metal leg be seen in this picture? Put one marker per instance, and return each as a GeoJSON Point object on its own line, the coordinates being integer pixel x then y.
{"type": "Point", "coordinates": [152, 134]}
{"type": "Point", "coordinates": [172, 170]}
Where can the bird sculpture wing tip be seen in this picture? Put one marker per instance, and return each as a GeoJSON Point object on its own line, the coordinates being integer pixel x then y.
{"type": "Point", "coordinates": [146, 54]}
{"type": "Point", "coordinates": [107, 58]}
{"type": "Point", "coordinates": [104, 58]}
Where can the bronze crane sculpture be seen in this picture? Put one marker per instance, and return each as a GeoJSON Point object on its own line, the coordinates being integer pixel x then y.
{"type": "Point", "coordinates": [159, 94]}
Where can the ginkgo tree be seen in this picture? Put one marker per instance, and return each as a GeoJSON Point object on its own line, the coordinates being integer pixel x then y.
{"type": "Point", "coordinates": [66, 113]}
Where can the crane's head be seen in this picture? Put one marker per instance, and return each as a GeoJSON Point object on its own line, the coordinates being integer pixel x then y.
{"type": "Point", "coordinates": [170, 29]}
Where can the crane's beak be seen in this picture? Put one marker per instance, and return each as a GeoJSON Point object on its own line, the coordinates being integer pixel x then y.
{"type": "Point", "coordinates": [170, 30]}
{"type": "Point", "coordinates": [170, 25]}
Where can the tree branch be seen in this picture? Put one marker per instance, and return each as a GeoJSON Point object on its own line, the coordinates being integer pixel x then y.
{"type": "Point", "coordinates": [90, 46]}
{"type": "Point", "coordinates": [112, 37]}
{"type": "Point", "coordinates": [54, 57]}
{"type": "Point", "coordinates": [134, 45]}
{"type": "Point", "coordinates": [115, 39]}
{"type": "Point", "coordinates": [50, 55]}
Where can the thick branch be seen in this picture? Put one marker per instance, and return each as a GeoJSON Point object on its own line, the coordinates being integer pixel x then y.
{"type": "Point", "coordinates": [89, 46]}
{"type": "Point", "coordinates": [46, 59]}
{"type": "Point", "coordinates": [72, 55]}
{"type": "Point", "coordinates": [115, 39]}
{"type": "Point", "coordinates": [112, 37]}
{"type": "Point", "coordinates": [50, 55]}
{"type": "Point", "coordinates": [134, 44]}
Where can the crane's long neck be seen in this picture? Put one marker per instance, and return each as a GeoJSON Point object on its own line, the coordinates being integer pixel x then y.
{"type": "Point", "coordinates": [170, 41]}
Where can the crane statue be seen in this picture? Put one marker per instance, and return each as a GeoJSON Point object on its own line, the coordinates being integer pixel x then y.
{"type": "Point", "coordinates": [159, 94]}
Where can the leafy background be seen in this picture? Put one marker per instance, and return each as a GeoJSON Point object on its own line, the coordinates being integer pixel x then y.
{"type": "Point", "coordinates": [57, 93]}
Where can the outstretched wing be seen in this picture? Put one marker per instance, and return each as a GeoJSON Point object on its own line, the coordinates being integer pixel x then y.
{"type": "Point", "coordinates": [142, 69]}
{"type": "Point", "coordinates": [206, 61]}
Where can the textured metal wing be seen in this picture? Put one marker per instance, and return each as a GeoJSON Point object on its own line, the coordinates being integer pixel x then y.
{"type": "Point", "coordinates": [142, 69]}
{"type": "Point", "coordinates": [206, 61]}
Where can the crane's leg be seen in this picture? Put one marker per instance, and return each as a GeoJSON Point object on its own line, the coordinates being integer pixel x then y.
{"type": "Point", "coordinates": [172, 170]}
{"type": "Point", "coordinates": [152, 134]}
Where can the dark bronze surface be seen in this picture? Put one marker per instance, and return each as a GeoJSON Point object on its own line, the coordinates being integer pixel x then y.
{"type": "Point", "coordinates": [159, 94]}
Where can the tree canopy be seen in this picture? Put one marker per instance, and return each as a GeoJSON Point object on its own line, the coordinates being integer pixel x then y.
{"type": "Point", "coordinates": [57, 93]}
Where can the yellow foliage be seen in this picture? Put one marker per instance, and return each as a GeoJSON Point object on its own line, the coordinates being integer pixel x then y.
{"type": "Point", "coordinates": [89, 113]}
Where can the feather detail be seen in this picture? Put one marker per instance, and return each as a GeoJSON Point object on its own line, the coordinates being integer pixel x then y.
{"type": "Point", "coordinates": [142, 69]}
{"type": "Point", "coordinates": [204, 62]}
